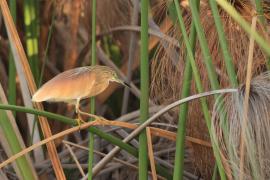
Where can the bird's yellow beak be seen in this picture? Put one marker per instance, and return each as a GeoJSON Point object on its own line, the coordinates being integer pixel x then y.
{"type": "Point", "coordinates": [121, 82]}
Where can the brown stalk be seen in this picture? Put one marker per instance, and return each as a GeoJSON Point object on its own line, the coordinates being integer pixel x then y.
{"type": "Point", "coordinates": [151, 153]}
{"type": "Point", "coordinates": [246, 100]}
{"type": "Point", "coordinates": [14, 38]}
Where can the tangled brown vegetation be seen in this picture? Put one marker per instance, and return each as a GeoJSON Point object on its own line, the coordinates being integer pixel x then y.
{"type": "Point", "coordinates": [167, 70]}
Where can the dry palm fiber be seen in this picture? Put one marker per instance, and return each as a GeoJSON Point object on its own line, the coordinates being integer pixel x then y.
{"type": "Point", "coordinates": [256, 133]}
{"type": "Point", "coordinates": [167, 71]}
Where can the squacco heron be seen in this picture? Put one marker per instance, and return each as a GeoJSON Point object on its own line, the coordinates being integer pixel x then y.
{"type": "Point", "coordinates": [76, 84]}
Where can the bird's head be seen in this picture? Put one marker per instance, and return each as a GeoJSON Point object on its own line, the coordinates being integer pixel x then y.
{"type": "Point", "coordinates": [115, 78]}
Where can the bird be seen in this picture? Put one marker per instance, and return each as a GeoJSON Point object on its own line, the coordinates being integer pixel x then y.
{"type": "Point", "coordinates": [73, 85]}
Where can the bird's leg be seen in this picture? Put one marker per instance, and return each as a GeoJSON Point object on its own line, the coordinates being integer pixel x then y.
{"type": "Point", "coordinates": [77, 106]}
{"type": "Point", "coordinates": [77, 110]}
{"type": "Point", "coordinates": [99, 119]}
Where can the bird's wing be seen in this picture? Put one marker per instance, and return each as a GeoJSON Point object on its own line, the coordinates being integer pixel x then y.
{"type": "Point", "coordinates": [69, 85]}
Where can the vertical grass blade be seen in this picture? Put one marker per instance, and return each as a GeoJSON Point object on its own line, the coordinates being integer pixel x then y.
{"type": "Point", "coordinates": [223, 43]}
{"type": "Point", "coordinates": [144, 65]}
{"type": "Point", "coordinates": [11, 64]}
{"type": "Point", "coordinates": [183, 111]}
{"type": "Point", "coordinates": [204, 46]}
{"type": "Point", "coordinates": [92, 101]}
{"type": "Point", "coordinates": [212, 75]}
{"type": "Point", "coordinates": [199, 86]}
{"type": "Point", "coordinates": [243, 136]}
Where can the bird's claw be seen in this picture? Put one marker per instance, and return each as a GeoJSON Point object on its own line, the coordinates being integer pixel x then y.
{"type": "Point", "coordinates": [79, 122]}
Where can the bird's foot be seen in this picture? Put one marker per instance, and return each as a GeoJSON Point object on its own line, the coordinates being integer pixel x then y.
{"type": "Point", "coordinates": [99, 119]}
{"type": "Point", "coordinates": [79, 121]}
